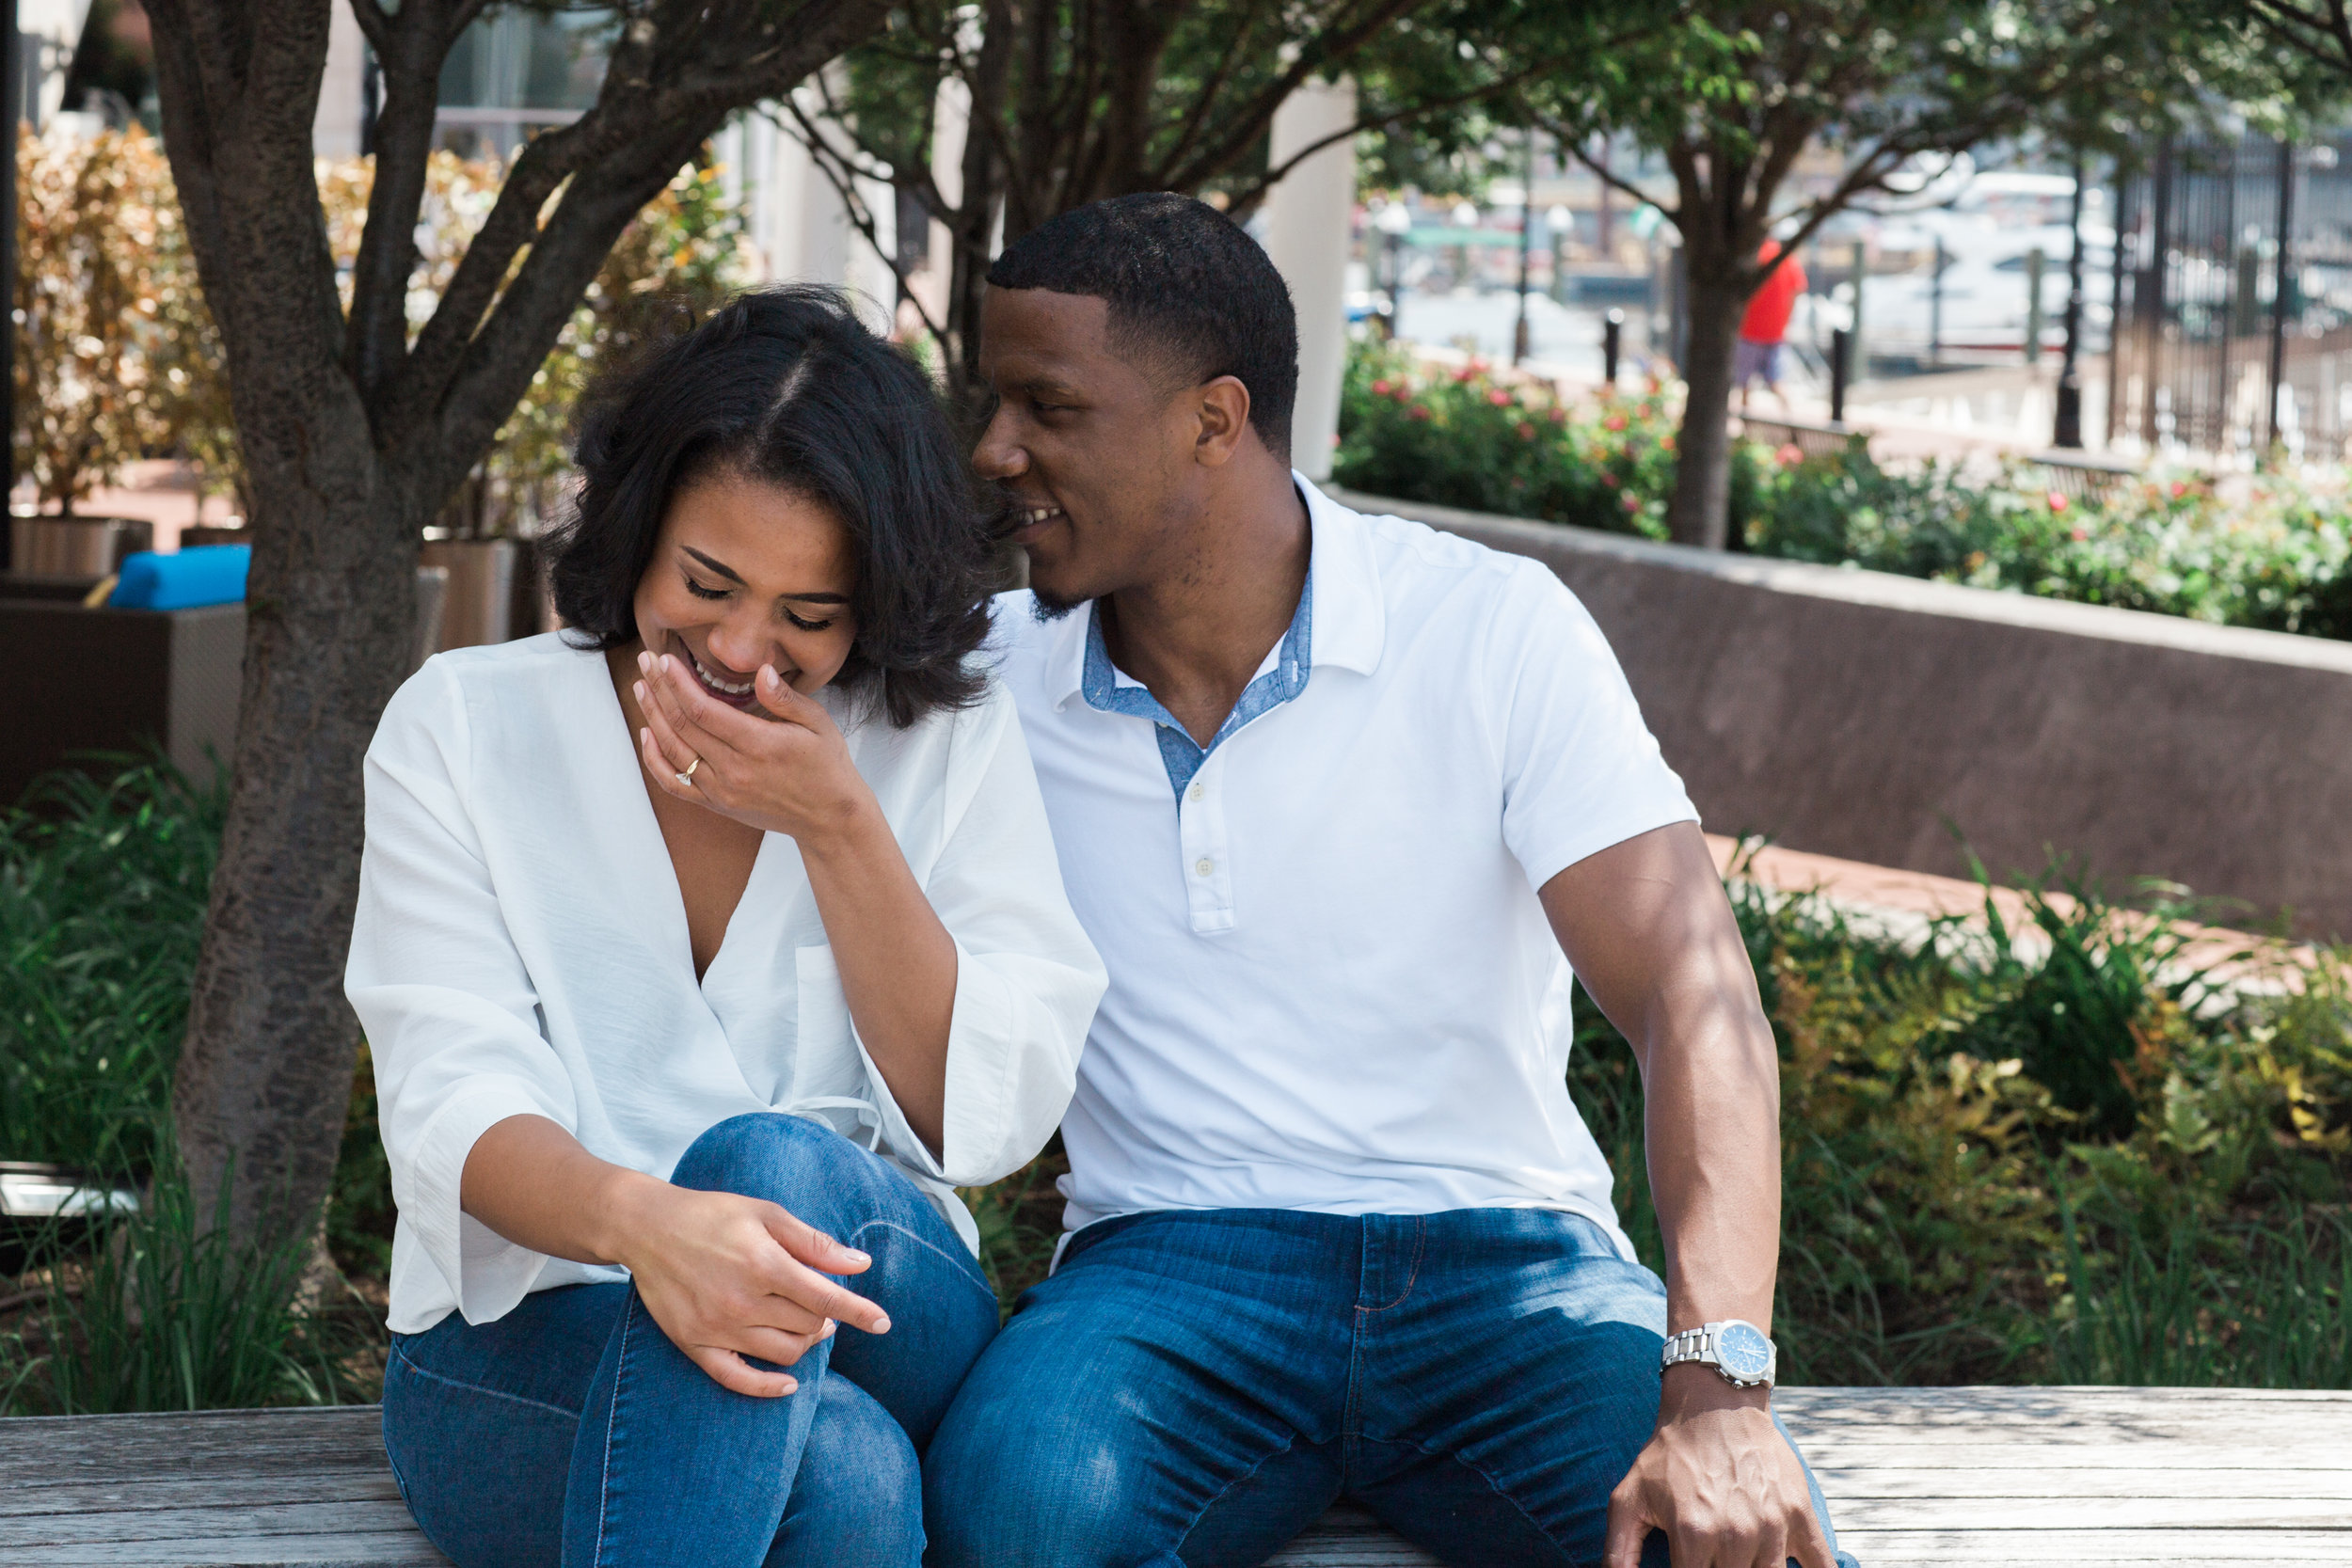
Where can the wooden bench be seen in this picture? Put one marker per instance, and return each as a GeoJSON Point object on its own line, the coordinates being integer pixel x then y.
{"type": "Point", "coordinates": [2020, 1477]}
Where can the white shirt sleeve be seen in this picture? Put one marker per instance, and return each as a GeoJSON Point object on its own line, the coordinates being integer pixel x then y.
{"type": "Point", "coordinates": [1027, 980]}
{"type": "Point", "coordinates": [451, 1013]}
{"type": "Point", "coordinates": [1581, 770]}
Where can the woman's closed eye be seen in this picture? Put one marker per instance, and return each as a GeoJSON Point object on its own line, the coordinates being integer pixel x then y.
{"type": "Point", "coordinates": [808, 625]}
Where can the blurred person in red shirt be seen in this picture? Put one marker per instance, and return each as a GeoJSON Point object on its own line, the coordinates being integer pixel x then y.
{"type": "Point", "coordinates": [1766, 324]}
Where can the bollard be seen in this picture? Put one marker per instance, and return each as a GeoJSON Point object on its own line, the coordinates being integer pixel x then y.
{"type": "Point", "coordinates": [2034, 265]}
{"type": "Point", "coordinates": [1840, 371]}
{"type": "Point", "coordinates": [1611, 342]}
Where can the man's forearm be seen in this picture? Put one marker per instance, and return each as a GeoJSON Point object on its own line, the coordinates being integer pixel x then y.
{"type": "Point", "coordinates": [1712, 1096]}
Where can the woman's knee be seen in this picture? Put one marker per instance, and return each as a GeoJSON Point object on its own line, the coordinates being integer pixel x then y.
{"type": "Point", "coordinates": [857, 1499]}
{"type": "Point", "coordinates": [768, 1154]}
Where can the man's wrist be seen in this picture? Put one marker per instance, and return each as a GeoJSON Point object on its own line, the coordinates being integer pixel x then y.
{"type": "Point", "coordinates": [1695, 1389]}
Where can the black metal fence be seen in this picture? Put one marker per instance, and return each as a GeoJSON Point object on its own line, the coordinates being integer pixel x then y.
{"type": "Point", "coordinates": [2233, 291]}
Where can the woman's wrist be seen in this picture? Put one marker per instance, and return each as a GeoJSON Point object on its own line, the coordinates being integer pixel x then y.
{"type": "Point", "coordinates": [626, 1206]}
{"type": "Point", "coordinates": [856, 832]}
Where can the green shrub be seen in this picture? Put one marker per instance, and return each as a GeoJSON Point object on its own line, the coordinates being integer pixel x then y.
{"type": "Point", "coordinates": [2270, 552]}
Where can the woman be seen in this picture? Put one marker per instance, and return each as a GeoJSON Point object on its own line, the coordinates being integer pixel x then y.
{"type": "Point", "coordinates": [703, 948]}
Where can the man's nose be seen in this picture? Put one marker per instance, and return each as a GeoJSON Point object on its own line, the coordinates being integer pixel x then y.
{"type": "Point", "coordinates": [998, 456]}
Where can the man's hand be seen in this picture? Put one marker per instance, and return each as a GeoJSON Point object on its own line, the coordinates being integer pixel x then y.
{"type": "Point", "coordinates": [1720, 1480]}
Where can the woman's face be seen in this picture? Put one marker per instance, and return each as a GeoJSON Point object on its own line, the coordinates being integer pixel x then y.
{"type": "Point", "coordinates": [746, 574]}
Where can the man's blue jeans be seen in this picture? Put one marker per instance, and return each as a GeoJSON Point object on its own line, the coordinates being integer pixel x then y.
{"type": "Point", "coordinates": [572, 1430]}
{"type": "Point", "coordinates": [1194, 1388]}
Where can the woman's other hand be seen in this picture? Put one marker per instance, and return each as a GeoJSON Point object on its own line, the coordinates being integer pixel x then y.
{"type": "Point", "coordinates": [790, 774]}
{"type": "Point", "coordinates": [729, 1277]}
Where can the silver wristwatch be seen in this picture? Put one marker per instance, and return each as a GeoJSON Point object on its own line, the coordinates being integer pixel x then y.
{"type": "Point", "coordinates": [1737, 1350]}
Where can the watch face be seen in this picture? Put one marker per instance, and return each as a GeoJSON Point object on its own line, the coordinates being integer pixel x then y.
{"type": "Point", "coordinates": [1742, 1351]}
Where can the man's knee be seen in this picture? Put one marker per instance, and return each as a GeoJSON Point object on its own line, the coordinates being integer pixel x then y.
{"type": "Point", "coordinates": [1006, 1492]}
{"type": "Point", "coordinates": [767, 1154]}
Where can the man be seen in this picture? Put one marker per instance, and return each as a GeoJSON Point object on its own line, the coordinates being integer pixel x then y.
{"type": "Point", "coordinates": [1332, 796]}
{"type": "Point", "coordinates": [1765, 326]}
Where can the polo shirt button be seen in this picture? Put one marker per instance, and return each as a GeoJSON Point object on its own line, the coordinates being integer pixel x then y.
{"type": "Point", "coordinates": [1204, 865]}
{"type": "Point", "coordinates": [1199, 789]}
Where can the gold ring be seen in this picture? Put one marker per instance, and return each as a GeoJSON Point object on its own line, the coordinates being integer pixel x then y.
{"type": "Point", "coordinates": [687, 777]}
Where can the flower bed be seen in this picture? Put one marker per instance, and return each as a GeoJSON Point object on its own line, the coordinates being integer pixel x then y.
{"type": "Point", "coordinates": [2271, 551]}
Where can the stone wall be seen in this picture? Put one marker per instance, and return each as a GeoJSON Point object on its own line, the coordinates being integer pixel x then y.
{"type": "Point", "coordinates": [1869, 716]}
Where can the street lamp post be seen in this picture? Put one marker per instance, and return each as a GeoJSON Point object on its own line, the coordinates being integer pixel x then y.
{"type": "Point", "coordinates": [1520, 337]}
{"type": "Point", "coordinates": [1394, 223]}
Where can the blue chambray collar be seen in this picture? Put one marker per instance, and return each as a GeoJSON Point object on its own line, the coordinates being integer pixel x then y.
{"type": "Point", "coordinates": [1293, 661]}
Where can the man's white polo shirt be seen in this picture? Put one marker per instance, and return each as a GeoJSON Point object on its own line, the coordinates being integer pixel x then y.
{"type": "Point", "coordinates": [1331, 985]}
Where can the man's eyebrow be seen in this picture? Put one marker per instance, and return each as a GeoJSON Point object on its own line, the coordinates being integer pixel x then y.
{"type": "Point", "coordinates": [718, 567]}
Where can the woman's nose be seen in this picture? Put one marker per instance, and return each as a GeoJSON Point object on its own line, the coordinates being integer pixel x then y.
{"type": "Point", "coordinates": [744, 649]}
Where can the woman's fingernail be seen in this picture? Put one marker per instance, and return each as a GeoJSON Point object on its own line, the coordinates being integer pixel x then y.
{"type": "Point", "coordinates": [639, 692]}
{"type": "Point", "coordinates": [830, 1326]}
{"type": "Point", "coordinates": [855, 1256]}
{"type": "Point", "coordinates": [644, 661]}
{"type": "Point", "coordinates": [881, 1325]}
{"type": "Point", "coordinates": [791, 1386]}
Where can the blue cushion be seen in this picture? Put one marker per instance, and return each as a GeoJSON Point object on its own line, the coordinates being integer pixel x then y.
{"type": "Point", "coordinates": [205, 574]}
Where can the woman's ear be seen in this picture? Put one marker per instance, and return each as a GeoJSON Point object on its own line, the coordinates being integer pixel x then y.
{"type": "Point", "coordinates": [1223, 412]}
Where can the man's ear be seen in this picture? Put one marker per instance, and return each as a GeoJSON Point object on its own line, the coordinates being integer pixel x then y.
{"type": "Point", "coordinates": [1223, 410]}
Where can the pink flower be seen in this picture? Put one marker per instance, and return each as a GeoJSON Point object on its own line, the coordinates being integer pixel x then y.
{"type": "Point", "coordinates": [1335, 437]}
{"type": "Point", "coordinates": [1380, 387]}
{"type": "Point", "coordinates": [1631, 505]}
{"type": "Point", "coordinates": [1611, 480]}
{"type": "Point", "coordinates": [2057, 502]}
{"type": "Point", "coordinates": [1615, 422]}
{"type": "Point", "coordinates": [1665, 443]}
{"type": "Point", "coordinates": [1499, 398]}
{"type": "Point", "coordinates": [1790, 455]}
{"type": "Point", "coordinates": [1419, 411]}
{"type": "Point", "coordinates": [2179, 490]}
{"type": "Point", "coordinates": [1527, 432]}
{"type": "Point", "coordinates": [1559, 416]}
{"type": "Point", "coordinates": [1465, 372]}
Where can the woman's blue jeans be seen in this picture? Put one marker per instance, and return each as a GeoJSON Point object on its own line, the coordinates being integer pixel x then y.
{"type": "Point", "coordinates": [571, 1431]}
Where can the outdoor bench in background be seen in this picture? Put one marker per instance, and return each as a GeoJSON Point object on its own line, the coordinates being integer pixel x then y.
{"type": "Point", "coordinates": [2026, 1478]}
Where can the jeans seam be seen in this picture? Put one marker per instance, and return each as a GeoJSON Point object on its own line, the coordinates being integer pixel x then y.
{"type": "Point", "coordinates": [965, 1265]}
{"type": "Point", "coordinates": [1492, 1485]}
{"type": "Point", "coordinates": [611, 1419]}
{"type": "Point", "coordinates": [423, 1371]}
{"type": "Point", "coordinates": [1223, 1492]}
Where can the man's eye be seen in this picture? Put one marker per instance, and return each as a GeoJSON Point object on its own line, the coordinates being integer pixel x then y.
{"type": "Point", "coordinates": [701, 593]}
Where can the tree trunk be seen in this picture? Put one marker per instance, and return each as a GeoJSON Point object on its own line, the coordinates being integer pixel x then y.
{"type": "Point", "coordinates": [1700, 511]}
{"type": "Point", "coordinates": [330, 633]}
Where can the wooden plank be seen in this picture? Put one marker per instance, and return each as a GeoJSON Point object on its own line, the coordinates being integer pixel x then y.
{"type": "Point", "coordinates": [127, 1494]}
{"type": "Point", "coordinates": [1349, 1537]}
{"type": "Point", "coordinates": [182, 1524]}
{"type": "Point", "coordinates": [1916, 1479]}
{"type": "Point", "coordinates": [2004, 1515]}
{"type": "Point", "coordinates": [1959, 1547]}
{"type": "Point", "coordinates": [406, 1549]}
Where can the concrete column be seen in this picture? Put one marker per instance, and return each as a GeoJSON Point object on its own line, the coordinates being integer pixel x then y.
{"type": "Point", "coordinates": [335, 129]}
{"type": "Point", "coordinates": [1308, 215]}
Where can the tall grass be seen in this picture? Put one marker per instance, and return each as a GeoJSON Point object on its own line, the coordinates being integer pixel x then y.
{"type": "Point", "coordinates": [156, 1310]}
{"type": "Point", "coordinates": [101, 906]}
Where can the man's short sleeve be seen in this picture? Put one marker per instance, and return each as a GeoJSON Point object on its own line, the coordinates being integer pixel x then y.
{"type": "Point", "coordinates": [1581, 770]}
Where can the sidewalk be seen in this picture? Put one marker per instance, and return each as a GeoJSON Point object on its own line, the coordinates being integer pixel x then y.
{"type": "Point", "coordinates": [1907, 905]}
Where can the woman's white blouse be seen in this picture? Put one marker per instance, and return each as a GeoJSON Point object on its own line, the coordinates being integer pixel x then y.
{"type": "Point", "coordinates": [521, 948]}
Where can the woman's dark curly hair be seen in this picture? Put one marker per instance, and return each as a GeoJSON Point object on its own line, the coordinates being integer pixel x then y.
{"type": "Point", "coordinates": [785, 387]}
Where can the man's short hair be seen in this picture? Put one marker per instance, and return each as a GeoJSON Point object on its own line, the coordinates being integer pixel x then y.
{"type": "Point", "coordinates": [1186, 288]}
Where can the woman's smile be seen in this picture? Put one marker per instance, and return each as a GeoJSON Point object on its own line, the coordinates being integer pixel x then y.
{"type": "Point", "coordinates": [726, 688]}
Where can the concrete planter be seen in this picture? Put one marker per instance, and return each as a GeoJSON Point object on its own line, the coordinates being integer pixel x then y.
{"type": "Point", "coordinates": [75, 546]}
{"type": "Point", "coordinates": [1867, 716]}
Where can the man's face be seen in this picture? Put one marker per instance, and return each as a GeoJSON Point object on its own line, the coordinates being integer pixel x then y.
{"type": "Point", "coordinates": [1095, 451]}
